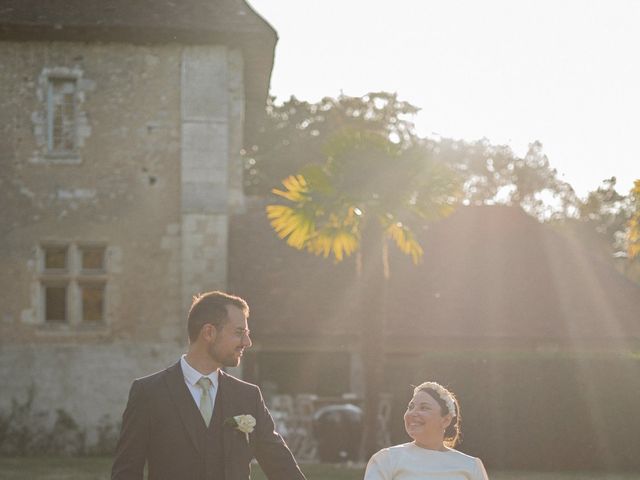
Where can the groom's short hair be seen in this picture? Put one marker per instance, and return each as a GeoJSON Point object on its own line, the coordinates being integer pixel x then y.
{"type": "Point", "coordinates": [211, 307]}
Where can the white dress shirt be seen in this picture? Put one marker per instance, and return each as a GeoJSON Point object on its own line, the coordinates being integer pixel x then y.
{"type": "Point", "coordinates": [191, 377]}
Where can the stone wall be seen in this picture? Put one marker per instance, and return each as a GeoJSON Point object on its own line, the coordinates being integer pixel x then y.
{"type": "Point", "coordinates": [206, 109]}
{"type": "Point", "coordinates": [123, 190]}
{"type": "Point", "coordinates": [156, 171]}
{"type": "Point", "coordinates": [89, 382]}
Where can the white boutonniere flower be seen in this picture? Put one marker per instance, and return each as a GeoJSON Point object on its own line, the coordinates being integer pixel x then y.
{"type": "Point", "coordinates": [243, 423]}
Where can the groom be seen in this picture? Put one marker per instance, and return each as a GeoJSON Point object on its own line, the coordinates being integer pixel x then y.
{"type": "Point", "coordinates": [181, 420]}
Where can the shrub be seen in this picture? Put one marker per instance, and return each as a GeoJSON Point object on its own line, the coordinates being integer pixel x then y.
{"type": "Point", "coordinates": [25, 431]}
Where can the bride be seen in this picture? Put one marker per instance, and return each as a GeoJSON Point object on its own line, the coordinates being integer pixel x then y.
{"type": "Point", "coordinates": [433, 421]}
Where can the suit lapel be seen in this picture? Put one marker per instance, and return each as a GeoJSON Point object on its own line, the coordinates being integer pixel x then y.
{"type": "Point", "coordinates": [226, 405]}
{"type": "Point", "coordinates": [189, 413]}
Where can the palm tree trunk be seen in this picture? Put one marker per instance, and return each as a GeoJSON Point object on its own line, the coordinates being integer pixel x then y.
{"type": "Point", "coordinates": [372, 328]}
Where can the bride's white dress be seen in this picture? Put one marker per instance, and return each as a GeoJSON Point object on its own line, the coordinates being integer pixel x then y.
{"type": "Point", "coordinates": [410, 462]}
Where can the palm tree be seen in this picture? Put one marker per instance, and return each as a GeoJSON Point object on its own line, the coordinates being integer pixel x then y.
{"type": "Point", "coordinates": [370, 192]}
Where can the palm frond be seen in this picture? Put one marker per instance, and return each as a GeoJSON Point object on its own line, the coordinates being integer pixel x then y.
{"type": "Point", "coordinates": [296, 188]}
{"type": "Point", "coordinates": [294, 224]}
{"type": "Point", "coordinates": [405, 241]}
{"type": "Point", "coordinates": [342, 242]}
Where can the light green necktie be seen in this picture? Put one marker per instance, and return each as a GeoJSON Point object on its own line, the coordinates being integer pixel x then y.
{"type": "Point", "coordinates": [206, 402]}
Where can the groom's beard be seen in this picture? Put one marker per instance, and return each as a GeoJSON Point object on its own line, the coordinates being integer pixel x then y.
{"type": "Point", "coordinates": [226, 359]}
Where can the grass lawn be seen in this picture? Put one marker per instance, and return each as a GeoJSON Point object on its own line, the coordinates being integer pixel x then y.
{"type": "Point", "coordinates": [98, 469]}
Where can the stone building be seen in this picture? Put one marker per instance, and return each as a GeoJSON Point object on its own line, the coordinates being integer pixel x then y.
{"type": "Point", "coordinates": [121, 129]}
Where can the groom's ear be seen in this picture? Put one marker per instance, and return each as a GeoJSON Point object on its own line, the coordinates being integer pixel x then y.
{"type": "Point", "coordinates": [208, 332]}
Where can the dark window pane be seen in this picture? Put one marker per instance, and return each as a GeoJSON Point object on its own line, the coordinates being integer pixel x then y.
{"type": "Point", "coordinates": [92, 302]}
{"type": "Point", "coordinates": [56, 304]}
{"type": "Point", "coordinates": [55, 258]}
{"type": "Point", "coordinates": [62, 114]}
{"type": "Point", "coordinates": [93, 258]}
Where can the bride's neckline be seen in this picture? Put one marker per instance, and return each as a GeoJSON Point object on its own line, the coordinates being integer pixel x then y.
{"type": "Point", "coordinates": [443, 450]}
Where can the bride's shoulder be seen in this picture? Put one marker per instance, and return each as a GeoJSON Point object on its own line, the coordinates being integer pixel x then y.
{"type": "Point", "coordinates": [393, 451]}
{"type": "Point", "coordinates": [463, 457]}
{"type": "Point", "coordinates": [460, 454]}
{"type": "Point", "coordinates": [401, 447]}
{"type": "Point", "coordinates": [389, 457]}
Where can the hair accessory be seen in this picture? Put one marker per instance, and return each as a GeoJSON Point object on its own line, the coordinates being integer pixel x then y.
{"type": "Point", "coordinates": [445, 395]}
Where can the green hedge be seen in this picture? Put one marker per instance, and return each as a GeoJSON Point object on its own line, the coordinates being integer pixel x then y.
{"type": "Point", "coordinates": [535, 411]}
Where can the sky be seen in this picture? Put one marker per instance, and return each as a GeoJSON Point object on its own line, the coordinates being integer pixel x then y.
{"type": "Point", "coordinates": [564, 72]}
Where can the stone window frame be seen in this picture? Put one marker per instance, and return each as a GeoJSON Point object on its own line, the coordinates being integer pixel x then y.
{"type": "Point", "coordinates": [42, 119]}
{"type": "Point", "coordinates": [51, 110]}
{"type": "Point", "coordinates": [74, 277]}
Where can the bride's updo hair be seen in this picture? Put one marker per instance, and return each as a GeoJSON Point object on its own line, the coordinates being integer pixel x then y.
{"type": "Point", "coordinates": [449, 404]}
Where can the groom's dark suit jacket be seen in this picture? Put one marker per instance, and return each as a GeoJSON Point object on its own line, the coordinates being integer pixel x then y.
{"type": "Point", "coordinates": [162, 425]}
